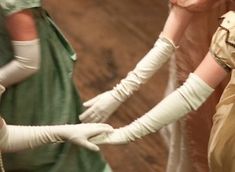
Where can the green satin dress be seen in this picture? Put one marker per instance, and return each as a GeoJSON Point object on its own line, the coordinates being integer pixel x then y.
{"type": "Point", "coordinates": [48, 97]}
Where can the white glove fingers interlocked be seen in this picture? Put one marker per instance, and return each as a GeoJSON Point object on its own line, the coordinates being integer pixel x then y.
{"type": "Point", "coordinates": [97, 129]}
{"type": "Point", "coordinates": [100, 139]}
{"type": "Point", "coordinates": [118, 136]}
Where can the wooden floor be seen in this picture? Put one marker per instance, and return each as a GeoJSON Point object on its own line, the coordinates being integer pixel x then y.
{"type": "Point", "coordinates": [110, 38]}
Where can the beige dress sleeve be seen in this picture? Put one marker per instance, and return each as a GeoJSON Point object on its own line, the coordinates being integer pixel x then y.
{"type": "Point", "coordinates": [223, 42]}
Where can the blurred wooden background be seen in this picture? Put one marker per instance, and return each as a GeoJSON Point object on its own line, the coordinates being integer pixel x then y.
{"type": "Point", "coordinates": [110, 37]}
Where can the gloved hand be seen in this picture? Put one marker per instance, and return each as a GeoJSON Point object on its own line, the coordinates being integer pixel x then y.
{"type": "Point", "coordinates": [99, 108]}
{"type": "Point", "coordinates": [14, 138]}
{"type": "Point", "coordinates": [102, 106]}
{"type": "Point", "coordinates": [185, 99]}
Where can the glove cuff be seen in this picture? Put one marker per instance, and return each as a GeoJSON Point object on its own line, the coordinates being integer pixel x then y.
{"type": "Point", "coordinates": [168, 42]}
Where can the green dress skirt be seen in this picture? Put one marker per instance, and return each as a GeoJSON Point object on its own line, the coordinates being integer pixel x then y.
{"type": "Point", "coordinates": [48, 97]}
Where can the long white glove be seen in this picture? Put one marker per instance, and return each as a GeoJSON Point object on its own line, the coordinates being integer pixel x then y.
{"type": "Point", "coordinates": [185, 99]}
{"type": "Point", "coordinates": [25, 63]}
{"type": "Point", "coordinates": [103, 105]}
{"type": "Point", "coordinates": [14, 138]}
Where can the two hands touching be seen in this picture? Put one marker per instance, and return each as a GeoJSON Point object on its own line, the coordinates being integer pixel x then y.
{"type": "Point", "coordinates": [185, 99]}
{"type": "Point", "coordinates": [196, 89]}
{"type": "Point", "coordinates": [16, 138]}
{"type": "Point", "coordinates": [102, 106]}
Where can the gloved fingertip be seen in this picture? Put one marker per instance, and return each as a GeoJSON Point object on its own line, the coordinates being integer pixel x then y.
{"type": "Point", "coordinates": [96, 148]}
{"type": "Point", "coordinates": [81, 118]}
{"type": "Point", "coordinates": [90, 102]}
{"type": "Point", "coordinates": [85, 104]}
{"type": "Point", "coordinates": [93, 147]}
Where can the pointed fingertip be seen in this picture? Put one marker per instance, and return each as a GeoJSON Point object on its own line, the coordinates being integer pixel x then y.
{"type": "Point", "coordinates": [94, 148]}
{"type": "Point", "coordinates": [85, 104]}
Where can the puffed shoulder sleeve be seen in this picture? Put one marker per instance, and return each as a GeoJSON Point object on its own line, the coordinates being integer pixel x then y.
{"type": "Point", "coordinates": [12, 6]}
{"type": "Point", "coordinates": [223, 42]}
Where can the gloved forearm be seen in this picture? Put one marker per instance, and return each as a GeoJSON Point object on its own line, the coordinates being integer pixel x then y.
{"type": "Point", "coordinates": [185, 99]}
{"type": "Point", "coordinates": [103, 105]}
{"type": "Point", "coordinates": [25, 63]}
{"type": "Point", "coordinates": [15, 138]}
{"type": "Point", "coordinates": [151, 62]}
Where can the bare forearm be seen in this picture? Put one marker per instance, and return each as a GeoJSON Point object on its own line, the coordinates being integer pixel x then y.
{"type": "Point", "coordinates": [177, 21]}
{"type": "Point", "coordinates": [21, 26]}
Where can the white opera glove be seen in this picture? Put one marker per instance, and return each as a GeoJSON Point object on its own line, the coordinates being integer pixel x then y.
{"type": "Point", "coordinates": [14, 138]}
{"type": "Point", "coordinates": [185, 99]}
{"type": "Point", "coordinates": [25, 63]}
{"type": "Point", "coordinates": [146, 67]}
{"type": "Point", "coordinates": [102, 106]}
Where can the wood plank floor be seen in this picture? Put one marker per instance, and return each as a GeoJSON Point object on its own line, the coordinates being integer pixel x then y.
{"type": "Point", "coordinates": [110, 38]}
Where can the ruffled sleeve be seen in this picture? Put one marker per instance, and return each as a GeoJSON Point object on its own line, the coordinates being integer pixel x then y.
{"type": "Point", "coordinates": [13, 6]}
{"type": "Point", "coordinates": [223, 42]}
